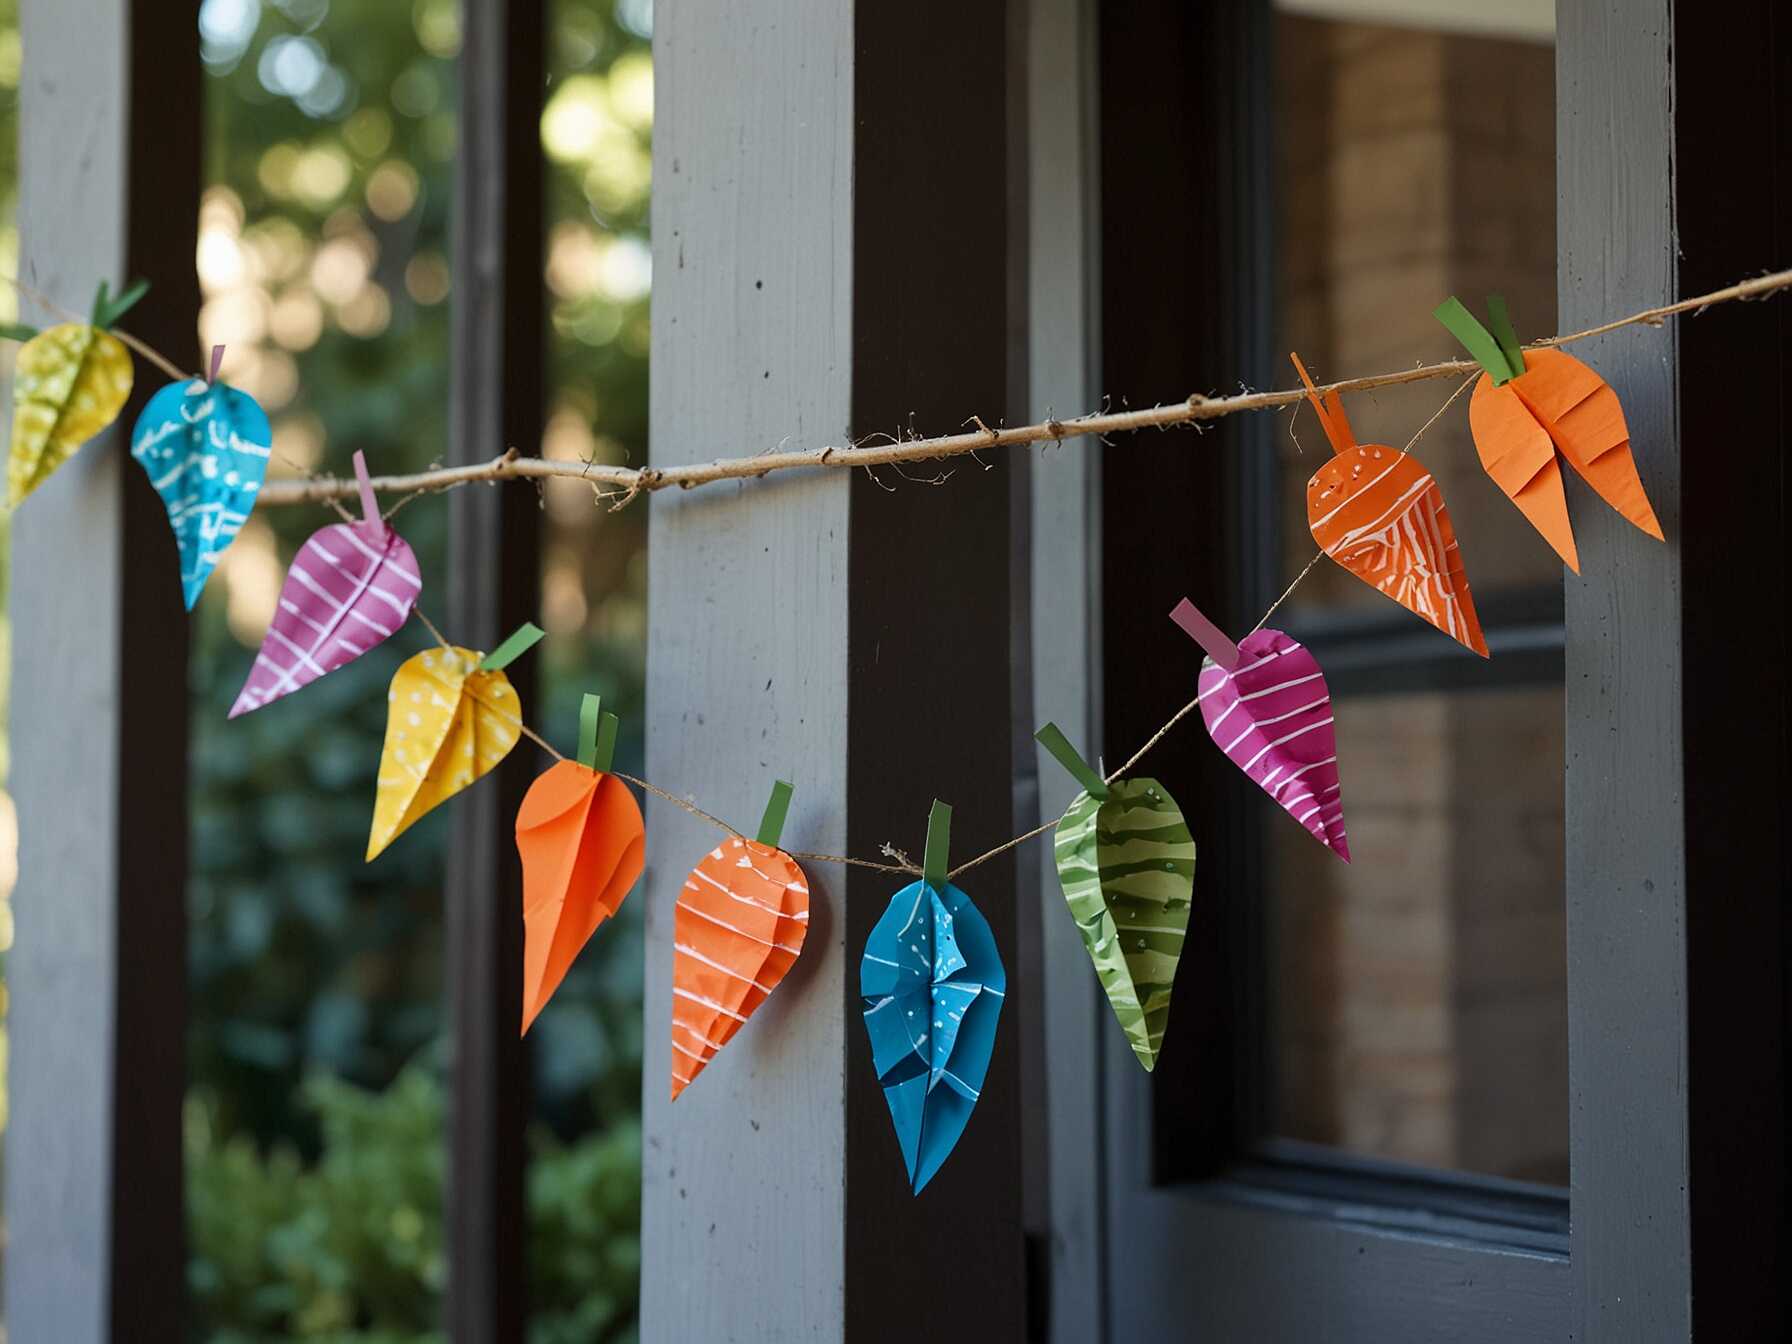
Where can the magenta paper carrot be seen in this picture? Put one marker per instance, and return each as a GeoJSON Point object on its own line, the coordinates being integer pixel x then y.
{"type": "Point", "coordinates": [350, 586]}
{"type": "Point", "coordinates": [1266, 706]}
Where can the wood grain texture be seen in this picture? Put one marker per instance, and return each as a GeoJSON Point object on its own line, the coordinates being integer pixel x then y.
{"type": "Point", "coordinates": [109, 186]}
{"type": "Point", "coordinates": [744, 1178]}
{"type": "Point", "coordinates": [848, 634]}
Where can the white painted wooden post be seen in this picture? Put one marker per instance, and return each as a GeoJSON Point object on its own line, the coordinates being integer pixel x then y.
{"type": "Point", "coordinates": [819, 270]}
{"type": "Point", "coordinates": [747, 682]}
{"type": "Point", "coordinates": [109, 186]}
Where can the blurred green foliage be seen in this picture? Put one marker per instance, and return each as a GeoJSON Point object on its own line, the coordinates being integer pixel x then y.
{"type": "Point", "coordinates": [349, 1247]}
{"type": "Point", "coordinates": [315, 1138]}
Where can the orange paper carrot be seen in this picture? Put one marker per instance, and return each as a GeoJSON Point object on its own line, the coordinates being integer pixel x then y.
{"type": "Point", "coordinates": [738, 928]}
{"type": "Point", "coordinates": [1379, 514]}
{"type": "Point", "coordinates": [1531, 404]}
{"type": "Point", "coordinates": [580, 835]}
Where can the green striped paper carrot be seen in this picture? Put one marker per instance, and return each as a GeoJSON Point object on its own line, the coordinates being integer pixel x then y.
{"type": "Point", "coordinates": [1126, 861]}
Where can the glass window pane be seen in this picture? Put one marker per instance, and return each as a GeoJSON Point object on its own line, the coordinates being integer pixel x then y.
{"type": "Point", "coordinates": [1417, 997]}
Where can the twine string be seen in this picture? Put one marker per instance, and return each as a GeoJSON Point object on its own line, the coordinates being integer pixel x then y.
{"type": "Point", "coordinates": [511, 465]}
{"type": "Point", "coordinates": [1189, 708]}
{"type": "Point", "coordinates": [1287, 592]}
{"type": "Point", "coordinates": [627, 483]}
{"type": "Point", "coordinates": [644, 785]}
{"type": "Point", "coordinates": [143, 348]}
{"type": "Point", "coordinates": [676, 801]}
{"type": "Point", "coordinates": [630, 482]}
{"type": "Point", "coordinates": [430, 626]}
{"type": "Point", "coordinates": [1437, 415]}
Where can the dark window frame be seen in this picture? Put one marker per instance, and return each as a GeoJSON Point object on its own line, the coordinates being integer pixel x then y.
{"type": "Point", "coordinates": [1232, 556]}
{"type": "Point", "coordinates": [1220, 1233]}
{"type": "Point", "coordinates": [496, 395]}
{"type": "Point", "coordinates": [1365, 651]}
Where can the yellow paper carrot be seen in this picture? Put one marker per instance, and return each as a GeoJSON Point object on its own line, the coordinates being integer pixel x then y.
{"type": "Point", "coordinates": [451, 716]}
{"type": "Point", "coordinates": [70, 383]}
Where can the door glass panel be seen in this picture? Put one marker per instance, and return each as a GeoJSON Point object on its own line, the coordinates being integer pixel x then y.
{"type": "Point", "coordinates": [1416, 1001]}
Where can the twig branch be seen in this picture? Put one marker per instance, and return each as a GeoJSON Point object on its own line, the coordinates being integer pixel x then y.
{"type": "Point", "coordinates": [637, 480]}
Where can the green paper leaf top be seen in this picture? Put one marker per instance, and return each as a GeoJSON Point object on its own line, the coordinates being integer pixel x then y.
{"type": "Point", "coordinates": [1503, 331]}
{"type": "Point", "coordinates": [521, 640]}
{"type": "Point", "coordinates": [939, 836]}
{"type": "Point", "coordinates": [1052, 738]}
{"type": "Point", "coordinates": [108, 308]}
{"type": "Point", "coordinates": [777, 808]}
{"type": "Point", "coordinates": [1487, 351]}
{"type": "Point", "coordinates": [597, 734]}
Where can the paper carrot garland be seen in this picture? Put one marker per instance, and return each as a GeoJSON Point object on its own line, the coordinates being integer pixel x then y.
{"type": "Point", "coordinates": [69, 383]}
{"type": "Point", "coordinates": [1530, 405]}
{"type": "Point", "coordinates": [582, 842]}
{"type": "Point", "coordinates": [205, 446]}
{"type": "Point", "coordinates": [932, 983]}
{"type": "Point", "coordinates": [737, 929]}
{"type": "Point", "coordinates": [1126, 862]}
{"type": "Point", "coordinates": [1380, 515]}
{"type": "Point", "coordinates": [1266, 706]}
{"type": "Point", "coordinates": [351, 586]}
{"type": "Point", "coordinates": [451, 716]}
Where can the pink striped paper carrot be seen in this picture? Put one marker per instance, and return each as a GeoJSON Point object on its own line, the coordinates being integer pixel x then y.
{"type": "Point", "coordinates": [1271, 713]}
{"type": "Point", "coordinates": [350, 586]}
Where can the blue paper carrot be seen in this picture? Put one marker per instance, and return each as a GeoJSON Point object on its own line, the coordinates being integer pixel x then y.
{"type": "Point", "coordinates": [933, 983]}
{"type": "Point", "coordinates": [205, 446]}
